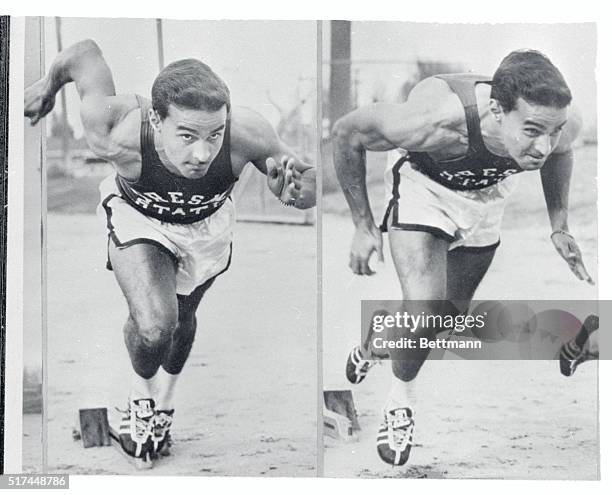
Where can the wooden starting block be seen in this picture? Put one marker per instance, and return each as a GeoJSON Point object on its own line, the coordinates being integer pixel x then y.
{"type": "Point", "coordinates": [94, 429]}
{"type": "Point", "coordinates": [340, 416]}
{"type": "Point", "coordinates": [337, 426]}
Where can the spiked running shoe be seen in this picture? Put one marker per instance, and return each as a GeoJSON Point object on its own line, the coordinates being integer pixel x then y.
{"type": "Point", "coordinates": [136, 428]}
{"type": "Point", "coordinates": [357, 366]}
{"type": "Point", "coordinates": [570, 356]}
{"type": "Point", "coordinates": [573, 353]}
{"type": "Point", "coordinates": [395, 436]}
{"type": "Point", "coordinates": [160, 431]}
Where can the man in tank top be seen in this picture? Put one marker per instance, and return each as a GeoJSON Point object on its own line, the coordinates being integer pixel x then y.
{"type": "Point", "coordinates": [168, 208]}
{"type": "Point", "coordinates": [463, 140]}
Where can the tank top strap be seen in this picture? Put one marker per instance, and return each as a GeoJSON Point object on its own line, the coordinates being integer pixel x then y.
{"type": "Point", "coordinates": [225, 147]}
{"type": "Point", "coordinates": [464, 88]}
{"type": "Point", "coordinates": [147, 142]}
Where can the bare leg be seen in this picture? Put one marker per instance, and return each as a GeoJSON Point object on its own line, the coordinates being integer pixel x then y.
{"type": "Point", "coordinates": [465, 270]}
{"type": "Point", "coordinates": [428, 272]}
{"type": "Point", "coordinates": [180, 347]}
{"type": "Point", "coordinates": [183, 337]}
{"type": "Point", "coordinates": [420, 262]}
{"type": "Point", "coordinates": [146, 275]}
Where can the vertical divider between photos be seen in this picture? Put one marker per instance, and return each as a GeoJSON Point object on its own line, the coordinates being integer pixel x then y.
{"type": "Point", "coordinates": [34, 257]}
{"type": "Point", "coordinates": [43, 261]}
{"type": "Point", "coordinates": [319, 231]}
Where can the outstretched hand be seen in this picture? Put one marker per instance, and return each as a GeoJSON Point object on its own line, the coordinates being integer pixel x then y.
{"type": "Point", "coordinates": [38, 101]}
{"type": "Point", "coordinates": [567, 247]}
{"type": "Point", "coordinates": [365, 242]}
{"type": "Point", "coordinates": [291, 187]}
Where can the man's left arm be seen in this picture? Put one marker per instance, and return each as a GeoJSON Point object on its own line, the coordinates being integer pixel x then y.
{"type": "Point", "coordinates": [556, 177]}
{"type": "Point", "coordinates": [290, 179]}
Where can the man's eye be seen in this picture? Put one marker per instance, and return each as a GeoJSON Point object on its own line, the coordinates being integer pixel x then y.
{"type": "Point", "coordinates": [532, 132]}
{"type": "Point", "coordinates": [215, 136]}
{"type": "Point", "coordinates": [187, 138]}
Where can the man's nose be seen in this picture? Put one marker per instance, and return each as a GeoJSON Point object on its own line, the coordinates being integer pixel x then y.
{"type": "Point", "coordinates": [201, 152]}
{"type": "Point", "coordinates": [543, 145]}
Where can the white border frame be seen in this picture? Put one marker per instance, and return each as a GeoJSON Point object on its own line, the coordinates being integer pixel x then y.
{"type": "Point", "coordinates": [13, 398]}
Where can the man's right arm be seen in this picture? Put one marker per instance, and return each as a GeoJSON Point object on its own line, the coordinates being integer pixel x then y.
{"type": "Point", "coordinates": [353, 134]}
{"type": "Point", "coordinates": [101, 110]}
{"type": "Point", "coordinates": [414, 125]}
{"type": "Point", "coordinates": [81, 63]}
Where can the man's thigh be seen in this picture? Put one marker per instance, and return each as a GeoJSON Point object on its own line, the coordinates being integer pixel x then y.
{"type": "Point", "coordinates": [466, 268]}
{"type": "Point", "coordinates": [420, 262]}
{"type": "Point", "coordinates": [188, 305]}
{"type": "Point", "coordinates": [146, 274]}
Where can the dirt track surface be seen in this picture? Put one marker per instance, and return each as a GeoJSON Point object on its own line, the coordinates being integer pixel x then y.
{"type": "Point", "coordinates": [475, 419]}
{"type": "Point", "coordinates": [246, 402]}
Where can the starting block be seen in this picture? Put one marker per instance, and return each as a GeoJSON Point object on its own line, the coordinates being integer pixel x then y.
{"type": "Point", "coordinates": [340, 416]}
{"type": "Point", "coordinates": [93, 429]}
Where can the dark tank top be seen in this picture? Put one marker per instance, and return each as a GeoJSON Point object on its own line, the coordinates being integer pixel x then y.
{"type": "Point", "coordinates": [479, 168]}
{"type": "Point", "coordinates": [160, 194]}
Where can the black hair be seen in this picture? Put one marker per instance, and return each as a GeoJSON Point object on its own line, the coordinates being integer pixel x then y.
{"type": "Point", "coordinates": [530, 75]}
{"type": "Point", "coordinates": [189, 83]}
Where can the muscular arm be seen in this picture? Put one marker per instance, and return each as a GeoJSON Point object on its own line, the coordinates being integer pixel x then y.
{"type": "Point", "coordinates": [101, 110]}
{"type": "Point", "coordinates": [352, 135]}
{"type": "Point", "coordinates": [257, 142]}
{"type": "Point", "coordinates": [556, 174]}
{"type": "Point", "coordinates": [81, 63]}
{"type": "Point", "coordinates": [426, 122]}
{"type": "Point", "coordinates": [420, 124]}
{"type": "Point", "coordinates": [556, 178]}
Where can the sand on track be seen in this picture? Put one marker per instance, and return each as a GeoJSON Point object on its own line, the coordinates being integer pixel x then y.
{"type": "Point", "coordinates": [246, 403]}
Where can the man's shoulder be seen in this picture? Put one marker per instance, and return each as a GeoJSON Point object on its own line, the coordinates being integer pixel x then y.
{"type": "Point", "coordinates": [571, 130]}
{"type": "Point", "coordinates": [434, 98]}
{"type": "Point", "coordinates": [430, 87]}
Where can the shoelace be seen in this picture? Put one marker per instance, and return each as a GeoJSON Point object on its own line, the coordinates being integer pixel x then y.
{"type": "Point", "coordinates": [362, 364]}
{"type": "Point", "coordinates": [142, 427]}
{"type": "Point", "coordinates": [401, 429]}
{"type": "Point", "coordinates": [160, 424]}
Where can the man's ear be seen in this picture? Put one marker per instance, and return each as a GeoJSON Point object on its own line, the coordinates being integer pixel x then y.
{"type": "Point", "coordinates": [496, 109]}
{"type": "Point", "coordinates": [155, 119]}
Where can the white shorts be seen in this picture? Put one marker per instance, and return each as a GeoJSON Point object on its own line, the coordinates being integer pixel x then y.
{"type": "Point", "coordinates": [470, 219]}
{"type": "Point", "coordinates": [201, 250]}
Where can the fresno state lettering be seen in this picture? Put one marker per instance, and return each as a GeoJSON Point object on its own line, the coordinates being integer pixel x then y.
{"type": "Point", "coordinates": [479, 168]}
{"type": "Point", "coordinates": [468, 179]}
{"type": "Point", "coordinates": [160, 194]}
{"type": "Point", "coordinates": [177, 204]}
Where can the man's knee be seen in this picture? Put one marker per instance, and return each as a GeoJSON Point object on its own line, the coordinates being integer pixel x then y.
{"type": "Point", "coordinates": [156, 326]}
{"type": "Point", "coordinates": [407, 370]}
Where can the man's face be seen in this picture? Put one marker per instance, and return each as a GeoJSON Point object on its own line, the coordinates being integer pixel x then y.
{"type": "Point", "coordinates": [531, 132]}
{"type": "Point", "coordinates": [191, 139]}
